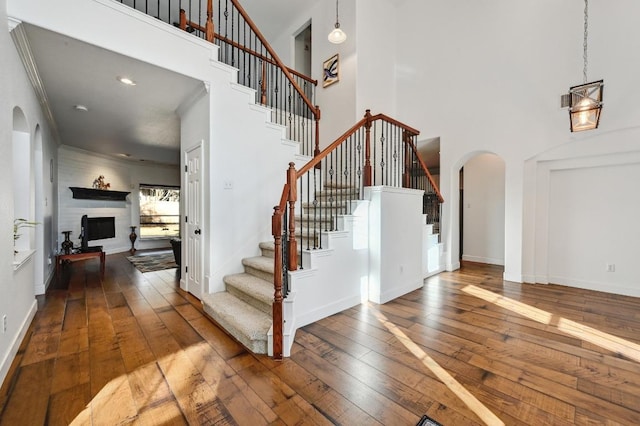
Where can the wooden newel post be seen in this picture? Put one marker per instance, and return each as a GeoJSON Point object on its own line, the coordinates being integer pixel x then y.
{"type": "Point", "coordinates": [209, 30]}
{"type": "Point", "coordinates": [183, 20]}
{"type": "Point", "coordinates": [276, 230]}
{"type": "Point", "coordinates": [292, 262]}
{"type": "Point", "coordinates": [367, 150]}
{"type": "Point", "coordinates": [406, 176]}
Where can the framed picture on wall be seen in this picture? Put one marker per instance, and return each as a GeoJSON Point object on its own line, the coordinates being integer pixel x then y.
{"type": "Point", "coordinates": [331, 71]}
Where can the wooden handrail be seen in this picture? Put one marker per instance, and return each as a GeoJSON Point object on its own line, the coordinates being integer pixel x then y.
{"type": "Point", "coordinates": [318, 158]}
{"type": "Point", "coordinates": [184, 23]}
{"type": "Point", "coordinates": [263, 57]}
{"type": "Point", "coordinates": [371, 118]}
{"type": "Point", "coordinates": [275, 57]}
{"type": "Point", "coordinates": [393, 121]}
{"type": "Point", "coordinates": [426, 171]}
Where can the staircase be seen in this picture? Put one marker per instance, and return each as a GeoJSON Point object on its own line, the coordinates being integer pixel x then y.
{"type": "Point", "coordinates": [244, 310]}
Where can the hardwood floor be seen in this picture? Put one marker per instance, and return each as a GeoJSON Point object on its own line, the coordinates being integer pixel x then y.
{"type": "Point", "coordinates": [466, 349]}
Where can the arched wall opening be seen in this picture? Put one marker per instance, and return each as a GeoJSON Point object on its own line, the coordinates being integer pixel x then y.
{"type": "Point", "coordinates": [22, 178]}
{"type": "Point", "coordinates": [477, 210]}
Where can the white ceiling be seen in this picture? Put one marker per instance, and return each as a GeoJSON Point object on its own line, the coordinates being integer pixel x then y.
{"type": "Point", "coordinates": [136, 121]}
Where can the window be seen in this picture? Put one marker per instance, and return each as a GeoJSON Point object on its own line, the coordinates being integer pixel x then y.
{"type": "Point", "coordinates": [159, 211]}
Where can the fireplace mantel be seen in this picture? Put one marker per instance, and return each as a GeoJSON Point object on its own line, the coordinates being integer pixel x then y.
{"type": "Point", "coordinates": [98, 194]}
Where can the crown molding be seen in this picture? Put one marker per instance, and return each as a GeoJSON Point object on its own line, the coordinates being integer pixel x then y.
{"type": "Point", "coordinates": [26, 55]}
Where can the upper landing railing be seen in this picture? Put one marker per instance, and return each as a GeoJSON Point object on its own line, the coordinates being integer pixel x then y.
{"type": "Point", "coordinates": [289, 94]}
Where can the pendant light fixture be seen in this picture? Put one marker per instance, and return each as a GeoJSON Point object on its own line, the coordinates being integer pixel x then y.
{"type": "Point", "coordinates": [337, 36]}
{"type": "Point", "coordinates": [585, 100]}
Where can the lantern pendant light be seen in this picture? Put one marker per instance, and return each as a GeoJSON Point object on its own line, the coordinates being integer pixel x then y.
{"type": "Point", "coordinates": [585, 100]}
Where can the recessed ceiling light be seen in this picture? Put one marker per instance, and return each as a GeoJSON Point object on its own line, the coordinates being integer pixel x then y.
{"type": "Point", "coordinates": [80, 107]}
{"type": "Point", "coordinates": [127, 81]}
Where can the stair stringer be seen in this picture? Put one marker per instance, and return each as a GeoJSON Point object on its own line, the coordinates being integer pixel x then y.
{"type": "Point", "coordinates": [335, 279]}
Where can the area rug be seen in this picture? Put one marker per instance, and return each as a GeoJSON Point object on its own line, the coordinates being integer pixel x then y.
{"type": "Point", "coordinates": [153, 262]}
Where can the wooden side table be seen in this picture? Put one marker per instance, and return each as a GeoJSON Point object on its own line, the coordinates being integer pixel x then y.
{"type": "Point", "coordinates": [72, 257]}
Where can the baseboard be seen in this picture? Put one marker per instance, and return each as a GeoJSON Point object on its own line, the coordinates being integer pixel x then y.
{"type": "Point", "coordinates": [453, 266]}
{"type": "Point", "coordinates": [17, 340]}
{"type": "Point", "coordinates": [487, 260]}
{"type": "Point", "coordinates": [42, 288]}
{"type": "Point", "coordinates": [606, 287]}
{"type": "Point", "coordinates": [327, 310]}
{"type": "Point", "coordinates": [388, 295]}
{"type": "Point", "coordinates": [434, 272]}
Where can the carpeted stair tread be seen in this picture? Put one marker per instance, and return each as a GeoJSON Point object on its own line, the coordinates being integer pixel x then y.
{"type": "Point", "coordinates": [336, 204]}
{"type": "Point", "coordinates": [344, 193]}
{"type": "Point", "coordinates": [337, 185]}
{"type": "Point", "coordinates": [244, 322]}
{"type": "Point", "coordinates": [261, 263]}
{"type": "Point", "coordinates": [260, 266]}
{"type": "Point", "coordinates": [267, 248]}
{"type": "Point", "coordinates": [252, 290]}
{"type": "Point", "coordinates": [311, 218]}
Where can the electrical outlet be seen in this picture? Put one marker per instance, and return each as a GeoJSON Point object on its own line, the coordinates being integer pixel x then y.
{"type": "Point", "coordinates": [228, 184]}
{"type": "Point", "coordinates": [611, 267]}
{"type": "Point", "coordinates": [4, 323]}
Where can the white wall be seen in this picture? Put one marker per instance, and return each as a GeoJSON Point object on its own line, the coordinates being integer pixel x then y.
{"type": "Point", "coordinates": [564, 247]}
{"type": "Point", "coordinates": [338, 101]}
{"type": "Point", "coordinates": [253, 159]}
{"type": "Point", "coordinates": [17, 292]}
{"type": "Point", "coordinates": [483, 210]}
{"type": "Point", "coordinates": [79, 168]}
{"type": "Point", "coordinates": [591, 231]}
{"type": "Point", "coordinates": [395, 242]}
{"type": "Point", "coordinates": [376, 58]}
{"type": "Point", "coordinates": [483, 76]}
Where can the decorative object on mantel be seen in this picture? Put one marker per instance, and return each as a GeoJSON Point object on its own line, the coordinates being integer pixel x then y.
{"type": "Point", "coordinates": [98, 194]}
{"type": "Point", "coordinates": [20, 223]}
{"type": "Point", "coordinates": [67, 244]}
{"type": "Point", "coordinates": [132, 238]}
{"type": "Point", "coordinates": [98, 183]}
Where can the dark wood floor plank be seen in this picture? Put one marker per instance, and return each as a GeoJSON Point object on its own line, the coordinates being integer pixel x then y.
{"type": "Point", "coordinates": [181, 330]}
{"type": "Point", "coordinates": [149, 387]}
{"type": "Point", "coordinates": [65, 406]}
{"type": "Point", "coordinates": [367, 399]}
{"type": "Point", "coordinates": [135, 348]}
{"type": "Point", "coordinates": [28, 403]}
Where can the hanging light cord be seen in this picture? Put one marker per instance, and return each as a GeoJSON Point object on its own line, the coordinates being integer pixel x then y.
{"type": "Point", "coordinates": [337, 21]}
{"type": "Point", "coordinates": [584, 43]}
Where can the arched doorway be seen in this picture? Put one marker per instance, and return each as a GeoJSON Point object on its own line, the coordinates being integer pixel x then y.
{"type": "Point", "coordinates": [478, 211]}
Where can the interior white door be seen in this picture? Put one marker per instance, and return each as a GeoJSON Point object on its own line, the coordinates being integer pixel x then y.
{"type": "Point", "coordinates": [193, 212]}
